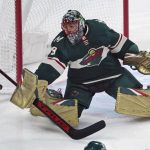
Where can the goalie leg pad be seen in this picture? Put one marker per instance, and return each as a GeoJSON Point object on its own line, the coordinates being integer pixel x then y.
{"type": "Point", "coordinates": [66, 109]}
{"type": "Point", "coordinates": [24, 95]}
{"type": "Point", "coordinates": [46, 96]}
{"type": "Point", "coordinates": [42, 94]}
{"type": "Point", "coordinates": [133, 102]}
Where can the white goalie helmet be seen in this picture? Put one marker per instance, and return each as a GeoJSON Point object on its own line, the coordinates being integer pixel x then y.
{"type": "Point", "coordinates": [73, 25]}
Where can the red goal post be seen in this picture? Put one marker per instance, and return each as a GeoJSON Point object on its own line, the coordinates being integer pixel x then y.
{"type": "Point", "coordinates": [29, 25]}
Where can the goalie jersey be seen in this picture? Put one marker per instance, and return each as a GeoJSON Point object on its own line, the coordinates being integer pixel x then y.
{"type": "Point", "coordinates": [95, 58]}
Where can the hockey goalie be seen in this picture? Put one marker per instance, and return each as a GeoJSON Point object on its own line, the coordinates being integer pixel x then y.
{"type": "Point", "coordinates": [92, 51]}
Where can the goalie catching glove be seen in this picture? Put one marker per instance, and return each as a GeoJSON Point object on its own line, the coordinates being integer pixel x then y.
{"type": "Point", "coordinates": [141, 61]}
{"type": "Point", "coordinates": [26, 93]}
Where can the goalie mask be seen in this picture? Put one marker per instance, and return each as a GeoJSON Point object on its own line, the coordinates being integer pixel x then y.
{"type": "Point", "coordinates": [73, 25]}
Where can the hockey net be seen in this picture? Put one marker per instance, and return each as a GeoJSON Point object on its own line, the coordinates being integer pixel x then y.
{"type": "Point", "coordinates": [39, 24]}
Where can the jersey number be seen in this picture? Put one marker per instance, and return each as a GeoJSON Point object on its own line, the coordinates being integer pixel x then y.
{"type": "Point", "coordinates": [53, 50]}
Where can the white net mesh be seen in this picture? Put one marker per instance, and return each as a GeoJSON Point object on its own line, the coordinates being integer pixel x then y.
{"type": "Point", "coordinates": [41, 23]}
{"type": "Point", "coordinates": [7, 42]}
{"type": "Point", "coordinates": [47, 14]}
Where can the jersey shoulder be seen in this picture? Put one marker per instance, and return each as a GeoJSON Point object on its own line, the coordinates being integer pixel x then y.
{"type": "Point", "coordinates": [97, 26]}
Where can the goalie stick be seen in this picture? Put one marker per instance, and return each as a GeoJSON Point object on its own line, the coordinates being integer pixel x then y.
{"type": "Point", "coordinates": [61, 123]}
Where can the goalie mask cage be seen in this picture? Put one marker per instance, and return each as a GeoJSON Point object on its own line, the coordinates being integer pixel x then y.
{"type": "Point", "coordinates": [27, 28]}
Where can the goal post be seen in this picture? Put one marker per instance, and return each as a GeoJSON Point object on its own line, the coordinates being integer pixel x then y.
{"type": "Point", "coordinates": [18, 26]}
{"type": "Point", "coordinates": [28, 27]}
{"type": "Point", "coordinates": [126, 17]}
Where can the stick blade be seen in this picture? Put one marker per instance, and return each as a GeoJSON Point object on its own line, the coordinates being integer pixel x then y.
{"type": "Point", "coordinates": [82, 133]}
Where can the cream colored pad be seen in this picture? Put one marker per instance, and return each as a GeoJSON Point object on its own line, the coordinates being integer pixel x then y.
{"type": "Point", "coordinates": [137, 104]}
{"type": "Point", "coordinates": [68, 113]}
{"type": "Point", "coordinates": [24, 95]}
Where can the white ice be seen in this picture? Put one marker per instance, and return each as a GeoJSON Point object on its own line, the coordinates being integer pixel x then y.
{"type": "Point", "coordinates": [21, 131]}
